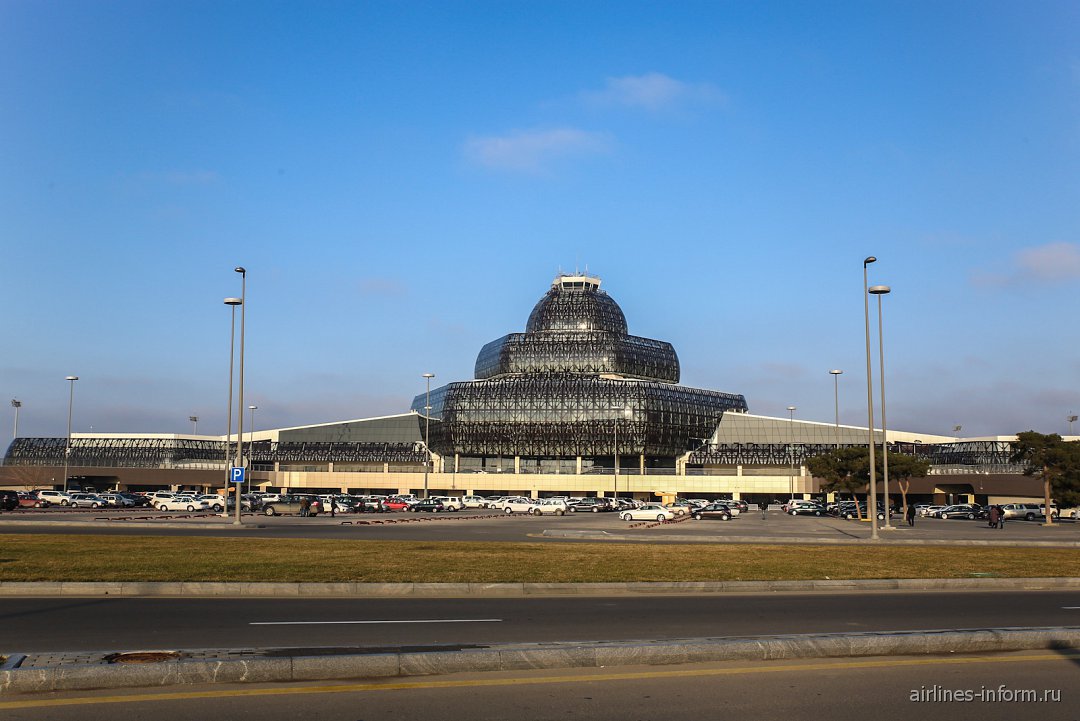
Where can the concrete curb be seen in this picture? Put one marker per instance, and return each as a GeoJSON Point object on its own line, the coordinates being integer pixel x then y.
{"type": "Point", "coordinates": [123, 523]}
{"type": "Point", "coordinates": [586, 535]}
{"type": "Point", "coordinates": [145, 589]}
{"type": "Point", "coordinates": [515, 657]}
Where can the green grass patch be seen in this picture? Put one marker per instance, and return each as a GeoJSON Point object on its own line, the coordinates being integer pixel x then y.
{"type": "Point", "coordinates": [161, 558]}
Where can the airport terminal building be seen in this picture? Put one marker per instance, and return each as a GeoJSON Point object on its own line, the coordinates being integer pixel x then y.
{"type": "Point", "coordinates": [575, 405]}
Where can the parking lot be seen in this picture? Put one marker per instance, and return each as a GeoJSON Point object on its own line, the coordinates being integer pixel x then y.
{"type": "Point", "coordinates": [491, 525]}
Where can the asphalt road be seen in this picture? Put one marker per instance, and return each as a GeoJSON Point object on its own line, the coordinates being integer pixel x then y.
{"type": "Point", "coordinates": [74, 624]}
{"type": "Point", "coordinates": [884, 689]}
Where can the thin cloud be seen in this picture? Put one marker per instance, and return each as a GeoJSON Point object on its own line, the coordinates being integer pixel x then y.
{"type": "Point", "coordinates": [1050, 263]}
{"type": "Point", "coordinates": [533, 150]}
{"type": "Point", "coordinates": [652, 91]}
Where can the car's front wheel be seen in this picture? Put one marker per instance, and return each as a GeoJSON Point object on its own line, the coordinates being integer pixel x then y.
{"type": "Point", "coordinates": [627, 517]}
{"type": "Point", "coordinates": [793, 513]}
{"type": "Point", "coordinates": [163, 507]}
{"type": "Point", "coordinates": [269, 511]}
{"type": "Point", "coordinates": [661, 517]}
{"type": "Point", "coordinates": [509, 511]}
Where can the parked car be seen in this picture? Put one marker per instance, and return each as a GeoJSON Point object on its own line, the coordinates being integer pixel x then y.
{"type": "Point", "coordinates": [932, 511]}
{"type": "Point", "coordinates": [286, 504]}
{"type": "Point", "coordinates": [138, 500]}
{"type": "Point", "coordinates": [57, 498]}
{"type": "Point", "coordinates": [518, 504]}
{"type": "Point", "coordinates": [590, 505]}
{"type": "Point", "coordinates": [450, 503]}
{"type": "Point", "coordinates": [182, 503]}
{"type": "Point", "coordinates": [117, 501]}
{"type": "Point", "coordinates": [965, 510]}
{"type": "Point", "coordinates": [474, 501]}
{"type": "Point", "coordinates": [806, 508]}
{"type": "Point", "coordinates": [31, 499]}
{"type": "Point", "coordinates": [216, 502]}
{"type": "Point", "coordinates": [718, 511]}
{"type": "Point", "coordinates": [555, 506]}
{"type": "Point", "coordinates": [428, 505]}
{"type": "Point", "coordinates": [87, 500]}
{"type": "Point", "coordinates": [648, 512]}
{"type": "Point", "coordinates": [9, 500]}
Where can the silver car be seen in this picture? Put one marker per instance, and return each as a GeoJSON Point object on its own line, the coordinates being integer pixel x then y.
{"type": "Point", "coordinates": [87, 500]}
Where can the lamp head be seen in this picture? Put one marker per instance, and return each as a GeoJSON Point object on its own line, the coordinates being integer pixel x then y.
{"type": "Point", "coordinates": [72, 378]}
{"type": "Point", "coordinates": [428, 375]}
{"type": "Point", "coordinates": [836, 372]}
{"type": "Point", "coordinates": [233, 301]}
{"type": "Point", "coordinates": [879, 289]}
{"type": "Point", "coordinates": [253, 408]}
{"type": "Point", "coordinates": [241, 270]}
{"type": "Point", "coordinates": [792, 408]}
{"type": "Point", "coordinates": [16, 404]}
{"type": "Point", "coordinates": [869, 260]}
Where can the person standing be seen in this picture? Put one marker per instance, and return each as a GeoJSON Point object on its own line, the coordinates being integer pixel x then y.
{"type": "Point", "coordinates": [995, 516]}
{"type": "Point", "coordinates": [910, 514]}
{"type": "Point", "coordinates": [305, 506]}
{"type": "Point", "coordinates": [1001, 516]}
{"type": "Point", "coordinates": [763, 506]}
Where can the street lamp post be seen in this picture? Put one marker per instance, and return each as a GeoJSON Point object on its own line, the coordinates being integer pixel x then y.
{"type": "Point", "coordinates": [880, 290]}
{"type": "Point", "coordinates": [240, 415]}
{"type": "Point", "coordinates": [836, 401]}
{"type": "Point", "coordinates": [233, 302]}
{"type": "Point", "coordinates": [194, 425]}
{"type": "Point", "coordinates": [872, 505]}
{"type": "Point", "coordinates": [67, 448]}
{"type": "Point", "coordinates": [16, 404]}
{"type": "Point", "coordinates": [626, 414]}
{"type": "Point", "coordinates": [251, 444]}
{"type": "Point", "coordinates": [1071, 419]}
{"type": "Point", "coordinates": [427, 429]}
{"type": "Point", "coordinates": [791, 449]}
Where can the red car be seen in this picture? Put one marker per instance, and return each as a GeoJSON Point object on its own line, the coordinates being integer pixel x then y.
{"type": "Point", "coordinates": [395, 504]}
{"type": "Point", "coordinates": [29, 499]}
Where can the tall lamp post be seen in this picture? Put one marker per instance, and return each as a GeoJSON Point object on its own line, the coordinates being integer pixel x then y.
{"type": "Point", "coordinates": [427, 429]}
{"type": "Point", "coordinates": [791, 449]}
{"type": "Point", "coordinates": [18, 404]}
{"type": "Point", "coordinates": [872, 506]}
{"type": "Point", "coordinates": [240, 415]}
{"type": "Point", "coordinates": [67, 448]}
{"type": "Point", "coordinates": [233, 302]}
{"type": "Point", "coordinates": [194, 425]}
{"type": "Point", "coordinates": [251, 444]}
{"type": "Point", "coordinates": [1071, 419]}
{"type": "Point", "coordinates": [836, 400]}
{"type": "Point", "coordinates": [880, 290]}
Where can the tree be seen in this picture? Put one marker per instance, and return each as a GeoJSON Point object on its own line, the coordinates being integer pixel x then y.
{"type": "Point", "coordinates": [842, 470]}
{"type": "Point", "coordinates": [848, 470]}
{"type": "Point", "coordinates": [1057, 463]}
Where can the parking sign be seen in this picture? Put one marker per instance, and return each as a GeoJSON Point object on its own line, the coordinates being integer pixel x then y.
{"type": "Point", "coordinates": [236, 475]}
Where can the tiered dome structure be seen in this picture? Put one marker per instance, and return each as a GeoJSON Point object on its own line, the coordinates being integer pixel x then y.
{"type": "Point", "coordinates": [566, 386]}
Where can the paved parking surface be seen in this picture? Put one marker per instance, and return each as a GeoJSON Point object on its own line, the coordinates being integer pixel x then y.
{"type": "Point", "coordinates": [483, 525]}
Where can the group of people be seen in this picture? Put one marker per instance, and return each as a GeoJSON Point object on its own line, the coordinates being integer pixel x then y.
{"type": "Point", "coordinates": [309, 507]}
{"type": "Point", "coordinates": [997, 517]}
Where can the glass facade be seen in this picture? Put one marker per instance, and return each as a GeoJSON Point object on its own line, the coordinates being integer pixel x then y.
{"type": "Point", "coordinates": [570, 384]}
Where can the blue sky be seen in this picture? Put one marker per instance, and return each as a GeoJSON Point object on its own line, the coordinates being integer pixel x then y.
{"type": "Point", "coordinates": [403, 180]}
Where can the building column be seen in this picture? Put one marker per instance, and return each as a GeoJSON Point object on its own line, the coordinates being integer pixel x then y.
{"type": "Point", "coordinates": [517, 464]}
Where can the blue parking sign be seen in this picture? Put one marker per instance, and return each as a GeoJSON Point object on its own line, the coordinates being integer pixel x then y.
{"type": "Point", "coordinates": [236, 474]}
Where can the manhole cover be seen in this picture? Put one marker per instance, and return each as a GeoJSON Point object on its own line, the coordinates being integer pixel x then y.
{"type": "Point", "coordinates": [143, 657]}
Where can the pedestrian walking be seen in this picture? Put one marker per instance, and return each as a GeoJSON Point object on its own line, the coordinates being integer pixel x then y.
{"type": "Point", "coordinates": [305, 507]}
{"type": "Point", "coordinates": [332, 509]}
{"type": "Point", "coordinates": [1001, 517]}
{"type": "Point", "coordinates": [763, 506]}
{"type": "Point", "coordinates": [910, 514]}
{"type": "Point", "coordinates": [995, 516]}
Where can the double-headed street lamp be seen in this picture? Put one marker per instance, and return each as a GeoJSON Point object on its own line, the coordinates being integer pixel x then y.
{"type": "Point", "coordinates": [16, 404]}
{"type": "Point", "coordinates": [427, 429]}
{"type": "Point", "coordinates": [194, 425]}
{"type": "Point", "coordinates": [240, 416]}
{"type": "Point", "coordinates": [67, 448]}
{"type": "Point", "coordinates": [880, 290]}
{"type": "Point", "coordinates": [836, 400]}
{"type": "Point", "coordinates": [872, 505]}
{"type": "Point", "coordinates": [232, 302]}
{"type": "Point", "coordinates": [1071, 419]}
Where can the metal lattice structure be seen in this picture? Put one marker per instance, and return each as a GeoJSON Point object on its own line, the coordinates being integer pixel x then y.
{"type": "Point", "coordinates": [994, 455]}
{"type": "Point", "coordinates": [572, 382]}
{"type": "Point", "coordinates": [178, 452]}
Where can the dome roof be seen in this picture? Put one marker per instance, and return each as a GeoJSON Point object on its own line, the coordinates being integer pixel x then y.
{"type": "Point", "coordinates": [575, 302]}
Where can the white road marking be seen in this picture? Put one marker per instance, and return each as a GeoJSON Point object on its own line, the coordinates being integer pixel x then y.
{"type": "Point", "coordinates": [1071, 608]}
{"type": "Point", "coordinates": [331, 623]}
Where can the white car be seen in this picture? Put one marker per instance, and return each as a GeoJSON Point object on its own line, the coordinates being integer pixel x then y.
{"type": "Point", "coordinates": [117, 501]}
{"type": "Point", "coordinates": [213, 500]}
{"type": "Point", "coordinates": [56, 498]}
{"type": "Point", "coordinates": [474, 501]}
{"type": "Point", "coordinates": [182, 503]}
{"type": "Point", "coordinates": [451, 503]}
{"type": "Point", "coordinates": [519, 504]}
{"type": "Point", "coordinates": [648, 512]}
{"type": "Point", "coordinates": [556, 506]}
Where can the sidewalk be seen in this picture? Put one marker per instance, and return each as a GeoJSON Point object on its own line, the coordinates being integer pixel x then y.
{"type": "Point", "coordinates": [36, 673]}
